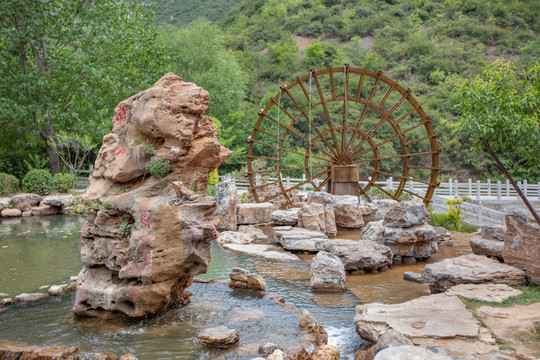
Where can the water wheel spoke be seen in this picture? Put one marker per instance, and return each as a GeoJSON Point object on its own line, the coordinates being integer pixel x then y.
{"type": "Point", "coordinates": [377, 186]}
{"type": "Point", "coordinates": [332, 83]}
{"type": "Point", "coordinates": [325, 108]}
{"type": "Point", "coordinates": [398, 176]}
{"type": "Point", "coordinates": [312, 125]}
{"type": "Point", "coordinates": [422, 139]}
{"type": "Point", "coordinates": [285, 149]}
{"type": "Point", "coordinates": [298, 185]}
{"type": "Point", "coordinates": [291, 169]}
{"type": "Point", "coordinates": [396, 157]}
{"type": "Point", "coordinates": [360, 84]}
{"type": "Point", "coordinates": [268, 133]}
{"type": "Point", "coordinates": [345, 110]}
{"type": "Point", "coordinates": [262, 186]}
{"type": "Point", "coordinates": [415, 194]}
{"type": "Point", "coordinates": [325, 181]}
{"type": "Point", "coordinates": [261, 157]}
{"type": "Point", "coordinates": [364, 194]}
{"type": "Point", "coordinates": [386, 94]}
{"type": "Point", "coordinates": [415, 108]}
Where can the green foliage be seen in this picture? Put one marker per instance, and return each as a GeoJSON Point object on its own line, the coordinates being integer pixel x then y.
{"type": "Point", "coordinates": [320, 55]}
{"type": "Point", "coordinates": [214, 177]}
{"type": "Point", "coordinates": [452, 220]}
{"type": "Point", "coordinates": [149, 151]}
{"type": "Point", "coordinates": [158, 166]}
{"type": "Point", "coordinates": [63, 182]}
{"type": "Point", "coordinates": [530, 295]}
{"type": "Point", "coordinates": [125, 229]}
{"type": "Point", "coordinates": [107, 204]}
{"type": "Point", "coordinates": [38, 182]}
{"type": "Point", "coordinates": [9, 184]}
{"type": "Point", "coordinates": [36, 162]}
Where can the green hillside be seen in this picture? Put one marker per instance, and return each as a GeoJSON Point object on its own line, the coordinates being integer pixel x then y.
{"type": "Point", "coordinates": [430, 46]}
{"type": "Point", "coordinates": [183, 12]}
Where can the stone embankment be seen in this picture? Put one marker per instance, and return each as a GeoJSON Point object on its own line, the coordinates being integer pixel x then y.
{"type": "Point", "coordinates": [25, 205]}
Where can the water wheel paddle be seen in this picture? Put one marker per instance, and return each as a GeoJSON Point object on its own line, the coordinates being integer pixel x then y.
{"type": "Point", "coordinates": [341, 129]}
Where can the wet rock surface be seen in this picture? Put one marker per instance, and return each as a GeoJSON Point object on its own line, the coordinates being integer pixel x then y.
{"type": "Point", "coordinates": [243, 279]}
{"type": "Point", "coordinates": [269, 252]}
{"type": "Point", "coordinates": [359, 255]}
{"type": "Point", "coordinates": [218, 337]}
{"type": "Point", "coordinates": [140, 251]}
{"type": "Point", "coordinates": [327, 273]}
{"type": "Point", "coordinates": [298, 239]}
{"type": "Point", "coordinates": [469, 269]}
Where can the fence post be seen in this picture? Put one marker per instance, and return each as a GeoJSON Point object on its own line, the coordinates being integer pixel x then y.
{"type": "Point", "coordinates": [390, 183]}
{"type": "Point", "coordinates": [288, 181]}
{"type": "Point", "coordinates": [304, 179]}
{"type": "Point", "coordinates": [450, 187]}
{"type": "Point", "coordinates": [525, 188]}
{"type": "Point", "coordinates": [469, 183]}
{"type": "Point", "coordinates": [479, 212]}
{"type": "Point", "coordinates": [478, 190]}
{"type": "Point", "coordinates": [498, 190]}
{"type": "Point", "coordinates": [488, 187]}
{"type": "Point", "coordinates": [507, 187]}
{"type": "Point", "coordinates": [411, 186]}
{"type": "Point", "coordinates": [456, 187]}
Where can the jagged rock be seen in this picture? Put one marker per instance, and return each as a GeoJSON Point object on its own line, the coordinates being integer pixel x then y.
{"type": "Point", "coordinates": [381, 207]}
{"type": "Point", "coordinates": [469, 269]}
{"type": "Point", "coordinates": [484, 292]}
{"type": "Point", "coordinates": [235, 237]}
{"type": "Point", "coordinates": [243, 279]}
{"type": "Point", "coordinates": [253, 231]}
{"type": "Point", "coordinates": [269, 252]}
{"type": "Point", "coordinates": [522, 244]}
{"type": "Point", "coordinates": [7, 213]}
{"type": "Point", "coordinates": [442, 236]}
{"type": "Point", "coordinates": [6, 302]}
{"type": "Point", "coordinates": [405, 215]}
{"type": "Point", "coordinates": [20, 350]}
{"type": "Point", "coordinates": [311, 217]}
{"type": "Point", "coordinates": [418, 241]}
{"type": "Point", "coordinates": [327, 273]}
{"type": "Point", "coordinates": [298, 239]}
{"type": "Point", "coordinates": [268, 348]}
{"type": "Point", "coordinates": [359, 255]}
{"type": "Point", "coordinates": [57, 201]}
{"type": "Point", "coordinates": [27, 213]}
{"type": "Point", "coordinates": [140, 252]}
{"type": "Point", "coordinates": [253, 214]}
{"type": "Point", "coordinates": [96, 355]}
{"type": "Point", "coordinates": [285, 217]}
{"type": "Point", "coordinates": [4, 205]}
{"type": "Point", "coordinates": [409, 352]}
{"type": "Point", "coordinates": [218, 337]}
{"type": "Point", "coordinates": [438, 320]}
{"type": "Point", "coordinates": [493, 232]}
{"type": "Point", "coordinates": [487, 247]}
{"type": "Point", "coordinates": [24, 202]}
{"type": "Point", "coordinates": [56, 290]}
{"type": "Point", "coordinates": [226, 200]}
{"type": "Point", "coordinates": [45, 210]}
{"type": "Point", "coordinates": [276, 355]}
{"type": "Point", "coordinates": [348, 212]}
{"type": "Point", "coordinates": [325, 352]}
{"type": "Point", "coordinates": [312, 329]}
{"type": "Point", "coordinates": [25, 297]}
{"type": "Point", "coordinates": [387, 339]}
{"type": "Point", "coordinates": [327, 201]}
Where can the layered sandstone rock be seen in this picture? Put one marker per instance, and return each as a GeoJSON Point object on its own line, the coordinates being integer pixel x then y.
{"type": "Point", "coordinates": [141, 250]}
{"type": "Point", "coordinates": [522, 244]}
{"type": "Point", "coordinates": [327, 273]}
{"type": "Point", "coordinates": [226, 200]}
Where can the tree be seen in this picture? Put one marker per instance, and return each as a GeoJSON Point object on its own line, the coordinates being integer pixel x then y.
{"type": "Point", "coordinates": [73, 150]}
{"type": "Point", "coordinates": [64, 65]}
{"type": "Point", "coordinates": [198, 54]}
{"type": "Point", "coordinates": [500, 114]}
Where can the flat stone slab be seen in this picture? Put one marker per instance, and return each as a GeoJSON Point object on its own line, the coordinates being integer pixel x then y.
{"type": "Point", "coordinates": [484, 292]}
{"type": "Point", "coordinates": [219, 337]}
{"type": "Point", "coordinates": [250, 214]}
{"type": "Point", "coordinates": [487, 247]}
{"type": "Point", "coordinates": [285, 217]}
{"type": "Point", "coordinates": [359, 255]}
{"type": "Point", "coordinates": [269, 252]}
{"type": "Point", "coordinates": [299, 239]}
{"type": "Point", "coordinates": [469, 269]}
{"type": "Point", "coordinates": [409, 352]}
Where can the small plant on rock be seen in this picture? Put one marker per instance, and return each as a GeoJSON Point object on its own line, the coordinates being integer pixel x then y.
{"type": "Point", "coordinates": [158, 166]}
{"type": "Point", "coordinates": [125, 229]}
{"type": "Point", "coordinates": [149, 151]}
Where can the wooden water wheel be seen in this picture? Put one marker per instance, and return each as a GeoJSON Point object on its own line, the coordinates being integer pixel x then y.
{"type": "Point", "coordinates": [343, 130]}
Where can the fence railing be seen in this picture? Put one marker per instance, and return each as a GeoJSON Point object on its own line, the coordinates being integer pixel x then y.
{"type": "Point", "coordinates": [476, 190]}
{"type": "Point", "coordinates": [471, 213]}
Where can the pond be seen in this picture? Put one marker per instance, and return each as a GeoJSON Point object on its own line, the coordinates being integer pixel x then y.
{"type": "Point", "coordinates": [36, 252]}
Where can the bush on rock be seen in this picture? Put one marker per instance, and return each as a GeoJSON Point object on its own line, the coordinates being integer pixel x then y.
{"type": "Point", "coordinates": [9, 184]}
{"type": "Point", "coordinates": [63, 182]}
{"type": "Point", "coordinates": [37, 181]}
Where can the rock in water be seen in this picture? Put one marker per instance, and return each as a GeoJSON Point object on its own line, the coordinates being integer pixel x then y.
{"type": "Point", "coordinates": [226, 206]}
{"type": "Point", "coordinates": [311, 217]}
{"type": "Point", "coordinates": [243, 279]}
{"type": "Point", "coordinates": [327, 273]}
{"type": "Point", "coordinates": [140, 251]}
{"type": "Point", "coordinates": [219, 337]}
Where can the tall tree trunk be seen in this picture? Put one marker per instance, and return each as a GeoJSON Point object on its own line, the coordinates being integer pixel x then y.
{"type": "Point", "coordinates": [54, 160]}
{"type": "Point", "coordinates": [502, 168]}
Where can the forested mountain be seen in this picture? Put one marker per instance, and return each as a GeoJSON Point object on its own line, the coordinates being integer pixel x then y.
{"type": "Point", "coordinates": [431, 46]}
{"type": "Point", "coordinates": [183, 12]}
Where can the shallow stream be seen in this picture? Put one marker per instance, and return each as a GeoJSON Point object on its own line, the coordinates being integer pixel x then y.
{"type": "Point", "coordinates": [38, 252]}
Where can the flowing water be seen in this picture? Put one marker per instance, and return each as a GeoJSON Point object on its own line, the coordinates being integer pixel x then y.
{"type": "Point", "coordinates": [44, 251]}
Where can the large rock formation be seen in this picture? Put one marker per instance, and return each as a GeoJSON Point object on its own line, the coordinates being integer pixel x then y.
{"type": "Point", "coordinates": [522, 244]}
{"type": "Point", "coordinates": [141, 249]}
{"type": "Point", "coordinates": [327, 273]}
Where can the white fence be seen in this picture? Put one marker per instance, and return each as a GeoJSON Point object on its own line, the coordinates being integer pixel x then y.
{"type": "Point", "coordinates": [480, 191]}
{"type": "Point", "coordinates": [475, 214]}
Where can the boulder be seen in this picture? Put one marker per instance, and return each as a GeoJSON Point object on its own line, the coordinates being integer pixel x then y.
{"type": "Point", "coordinates": [268, 348]}
{"type": "Point", "coordinates": [469, 269]}
{"type": "Point", "coordinates": [27, 213]}
{"type": "Point", "coordinates": [327, 201]}
{"type": "Point", "coordinates": [285, 217]}
{"type": "Point", "coordinates": [256, 233]}
{"type": "Point", "coordinates": [253, 214]}
{"type": "Point", "coordinates": [143, 248]}
{"type": "Point", "coordinates": [24, 202]}
{"type": "Point", "coordinates": [4, 205]}
{"type": "Point", "coordinates": [56, 290]}
{"type": "Point", "coordinates": [45, 210]}
{"type": "Point", "coordinates": [268, 252]}
{"type": "Point", "coordinates": [298, 239]}
{"type": "Point", "coordinates": [20, 350]}
{"type": "Point", "coordinates": [387, 339]}
{"type": "Point", "coordinates": [438, 320]}
{"type": "Point", "coordinates": [359, 255]}
{"type": "Point", "coordinates": [276, 355]}
{"type": "Point", "coordinates": [243, 279]}
{"type": "Point", "coordinates": [311, 217]}
{"type": "Point", "coordinates": [235, 237]}
{"type": "Point", "coordinates": [226, 200]}
{"type": "Point", "coordinates": [484, 292]}
{"type": "Point", "coordinates": [6, 302]}
{"type": "Point", "coordinates": [8, 213]}
{"type": "Point", "coordinates": [406, 214]}
{"type": "Point", "coordinates": [325, 352]}
{"type": "Point", "coordinates": [493, 232]}
{"type": "Point", "coordinates": [327, 273]}
{"type": "Point", "coordinates": [487, 247]}
{"type": "Point", "coordinates": [522, 244]}
{"type": "Point", "coordinates": [218, 337]}
{"type": "Point", "coordinates": [381, 206]}
{"type": "Point", "coordinates": [412, 276]}
{"type": "Point", "coordinates": [25, 297]}
{"type": "Point", "coordinates": [410, 352]}
{"type": "Point", "coordinates": [442, 236]}
{"type": "Point", "coordinates": [58, 201]}
{"type": "Point", "coordinates": [246, 315]}
{"type": "Point", "coordinates": [128, 357]}
{"type": "Point", "coordinates": [417, 241]}
{"type": "Point", "coordinates": [311, 328]}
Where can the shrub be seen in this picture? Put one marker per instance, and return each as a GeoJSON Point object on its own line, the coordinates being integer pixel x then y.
{"type": "Point", "coordinates": [63, 182]}
{"type": "Point", "coordinates": [149, 151]}
{"type": "Point", "coordinates": [158, 166]}
{"type": "Point", "coordinates": [9, 184]}
{"type": "Point", "coordinates": [125, 229]}
{"type": "Point", "coordinates": [37, 181]}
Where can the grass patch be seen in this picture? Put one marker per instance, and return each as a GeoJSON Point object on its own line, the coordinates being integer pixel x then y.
{"type": "Point", "coordinates": [468, 228]}
{"type": "Point", "coordinates": [531, 294]}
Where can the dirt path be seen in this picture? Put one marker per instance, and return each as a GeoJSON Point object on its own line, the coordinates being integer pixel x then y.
{"type": "Point", "coordinates": [517, 325]}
